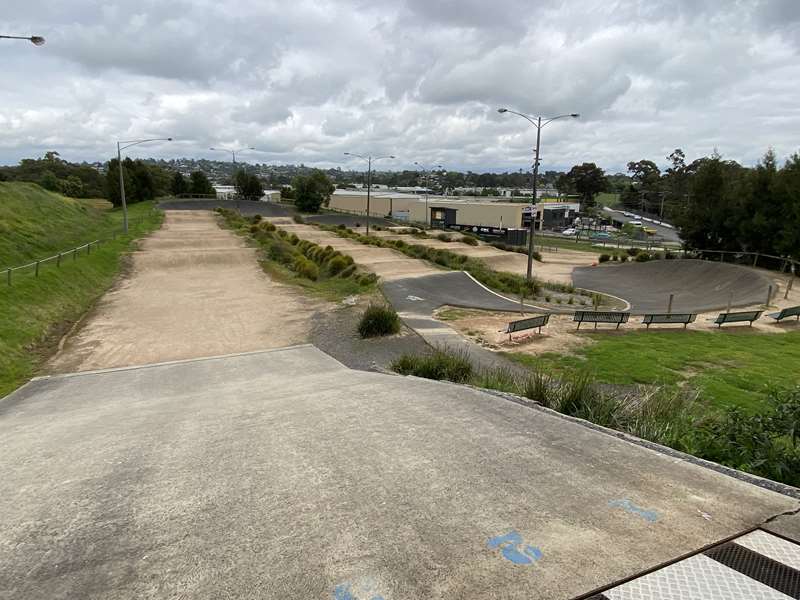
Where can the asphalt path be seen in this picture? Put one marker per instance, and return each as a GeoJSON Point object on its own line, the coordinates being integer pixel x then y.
{"type": "Point", "coordinates": [283, 474]}
{"type": "Point", "coordinates": [697, 285]}
{"type": "Point", "coordinates": [669, 234]}
{"type": "Point", "coordinates": [246, 207]}
{"type": "Point", "coordinates": [423, 295]}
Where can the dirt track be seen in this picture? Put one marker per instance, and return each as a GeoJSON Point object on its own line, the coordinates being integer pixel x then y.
{"type": "Point", "coordinates": [194, 290]}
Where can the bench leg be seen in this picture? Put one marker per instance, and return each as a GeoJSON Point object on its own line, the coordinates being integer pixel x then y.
{"type": "Point", "coordinates": [618, 324]}
{"type": "Point", "coordinates": [648, 326]}
{"type": "Point", "coordinates": [579, 324]}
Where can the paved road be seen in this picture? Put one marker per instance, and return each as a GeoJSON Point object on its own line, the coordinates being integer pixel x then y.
{"type": "Point", "coordinates": [351, 221]}
{"type": "Point", "coordinates": [246, 207]}
{"type": "Point", "coordinates": [669, 234]}
{"type": "Point", "coordinates": [282, 474]}
{"type": "Point", "coordinates": [698, 285]}
{"type": "Point", "coordinates": [423, 295]}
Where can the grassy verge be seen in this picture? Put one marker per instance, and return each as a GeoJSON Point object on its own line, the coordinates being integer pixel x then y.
{"type": "Point", "coordinates": [37, 310]}
{"type": "Point", "coordinates": [288, 259]}
{"type": "Point", "coordinates": [766, 446]}
{"type": "Point", "coordinates": [727, 368]}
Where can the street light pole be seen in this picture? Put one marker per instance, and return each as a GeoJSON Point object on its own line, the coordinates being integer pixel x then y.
{"type": "Point", "coordinates": [120, 148]}
{"type": "Point", "coordinates": [36, 40]}
{"type": "Point", "coordinates": [233, 159]}
{"type": "Point", "coordinates": [427, 173]}
{"type": "Point", "coordinates": [537, 122]}
{"type": "Point", "coordinates": [369, 158]}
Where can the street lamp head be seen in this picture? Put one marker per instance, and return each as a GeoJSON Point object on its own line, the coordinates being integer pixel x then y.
{"type": "Point", "coordinates": [169, 139]}
{"type": "Point", "coordinates": [390, 156]}
{"type": "Point", "coordinates": [347, 154]}
{"type": "Point", "coordinates": [37, 40]}
{"type": "Point", "coordinates": [502, 110]}
{"type": "Point", "coordinates": [575, 115]}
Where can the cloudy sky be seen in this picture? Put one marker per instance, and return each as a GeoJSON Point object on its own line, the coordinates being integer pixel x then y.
{"type": "Point", "coordinates": [305, 81]}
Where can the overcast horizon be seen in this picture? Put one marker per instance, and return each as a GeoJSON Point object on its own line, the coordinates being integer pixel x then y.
{"type": "Point", "coordinates": [307, 81]}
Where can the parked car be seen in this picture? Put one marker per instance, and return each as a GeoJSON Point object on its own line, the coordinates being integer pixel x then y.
{"type": "Point", "coordinates": [601, 235]}
{"type": "Point", "coordinates": [570, 231]}
{"type": "Point", "coordinates": [635, 223]}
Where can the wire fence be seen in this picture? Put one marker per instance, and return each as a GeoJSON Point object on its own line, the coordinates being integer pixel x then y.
{"type": "Point", "coordinates": [64, 255]}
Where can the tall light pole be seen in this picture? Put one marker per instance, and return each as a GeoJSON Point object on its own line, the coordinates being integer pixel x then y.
{"type": "Point", "coordinates": [426, 173]}
{"type": "Point", "coordinates": [36, 40]}
{"type": "Point", "coordinates": [120, 148]}
{"type": "Point", "coordinates": [537, 122]}
{"type": "Point", "coordinates": [369, 158]}
{"type": "Point", "coordinates": [233, 152]}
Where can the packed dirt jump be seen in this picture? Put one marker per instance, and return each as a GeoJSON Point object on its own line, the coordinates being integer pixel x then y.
{"type": "Point", "coordinates": [193, 290]}
{"type": "Point", "coordinates": [697, 285]}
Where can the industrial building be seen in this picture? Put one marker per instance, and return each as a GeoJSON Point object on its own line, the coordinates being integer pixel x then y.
{"type": "Point", "coordinates": [441, 211]}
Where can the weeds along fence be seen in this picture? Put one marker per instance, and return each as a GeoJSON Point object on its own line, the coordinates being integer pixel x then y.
{"type": "Point", "coordinates": [63, 256]}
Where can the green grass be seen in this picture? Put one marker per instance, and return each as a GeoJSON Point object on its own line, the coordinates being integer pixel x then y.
{"type": "Point", "coordinates": [36, 310]}
{"type": "Point", "coordinates": [35, 223]}
{"type": "Point", "coordinates": [727, 368]}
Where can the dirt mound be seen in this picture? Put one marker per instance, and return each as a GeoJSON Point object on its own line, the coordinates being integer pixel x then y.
{"type": "Point", "coordinates": [697, 285]}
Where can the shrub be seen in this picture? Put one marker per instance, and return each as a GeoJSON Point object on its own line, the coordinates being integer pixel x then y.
{"type": "Point", "coordinates": [632, 251]}
{"type": "Point", "coordinates": [441, 364]}
{"type": "Point", "coordinates": [347, 272]}
{"type": "Point", "coordinates": [293, 240]}
{"type": "Point", "coordinates": [378, 320]}
{"type": "Point", "coordinates": [254, 228]}
{"type": "Point", "coordinates": [668, 255]}
{"type": "Point", "coordinates": [604, 258]}
{"type": "Point", "coordinates": [366, 279]}
{"type": "Point", "coordinates": [443, 237]}
{"type": "Point", "coordinates": [298, 219]}
{"type": "Point", "coordinates": [255, 219]}
{"type": "Point", "coordinates": [643, 257]}
{"type": "Point", "coordinates": [282, 233]}
{"type": "Point", "coordinates": [336, 265]}
{"type": "Point", "coordinates": [267, 226]}
{"type": "Point", "coordinates": [281, 253]}
{"type": "Point", "coordinates": [341, 226]}
{"type": "Point", "coordinates": [306, 268]}
{"type": "Point", "coordinates": [622, 258]}
{"type": "Point", "coordinates": [357, 225]}
{"type": "Point", "coordinates": [470, 241]}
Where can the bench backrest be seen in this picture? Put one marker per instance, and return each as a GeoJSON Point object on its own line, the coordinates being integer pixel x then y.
{"type": "Point", "coordinates": [792, 311]}
{"type": "Point", "coordinates": [670, 318]}
{"type": "Point", "coordinates": [529, 323]}
{"type": "Point", "coordinates": [592, 316]}
{"type": "Point", "coordinates": [736, 317]}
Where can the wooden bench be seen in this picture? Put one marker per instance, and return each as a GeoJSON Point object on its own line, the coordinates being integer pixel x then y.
{"type": "Point", "coordinates": [738, 317]}
{"type": "Point", "coordinates": [793, 311]}
{"type": "Point", "coordinates": [593, 316]}
{"type": "Point", "coordinates": [529, 323]}
{"type": "Point", "coordinates": [669, 318]}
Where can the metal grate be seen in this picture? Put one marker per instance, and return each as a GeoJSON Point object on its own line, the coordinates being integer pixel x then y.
{"type": "Point", "coordinates": [776, 575]}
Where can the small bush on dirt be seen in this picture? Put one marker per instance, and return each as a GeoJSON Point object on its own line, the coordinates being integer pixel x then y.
{"type": "Point", "coordinates": [255, 219]}
{"type": "Point", "coordinates": [293, 239]}
{"type": "Point", "coordinates": [632, 251]}
{"type": "Point", "coordinates": [306, 268]}
{"type": "Point", "coordinates": [443, 237]}
{"type": "Point", "coordinates": [604, 258]}
{"type": "Point", "coordinates": [267, 226]}
{"type": "Point", "coordinates": [669, 255]}
{"type": "Point", "coordinates": [378, 320]}
{"type": "Point", "coordinates": [341, 226]}
{"type": "Point", "coordinates": [298, 219]}
{"type": "Point", "coordinates": [254, 228]}
{"type": "Point", "coordinates": [336, 265]}
{"type": "Point", "coordinates": [622, 258]}
{"type": "Point", "coordinates": [282, 233]}
{"type": "Point", "coordinates": [281, 253]}
{"type": "Point", "coordinates": [643, 257]}
{"type": "Point", "coordinates": [470, 241]}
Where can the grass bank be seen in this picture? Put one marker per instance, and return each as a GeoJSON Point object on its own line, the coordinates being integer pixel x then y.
{"type": "Point", "coordinates": [726, 368]}
{"type": "Point", "coordinates": [319, 270]}
{"type": "Point", "coordinates": [767, 445]}
{"type": "Point", "coordinates": [36, 311]}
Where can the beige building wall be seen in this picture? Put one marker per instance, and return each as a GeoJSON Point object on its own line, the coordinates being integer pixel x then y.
{"type": "Point", "coordinates": [491, 214]}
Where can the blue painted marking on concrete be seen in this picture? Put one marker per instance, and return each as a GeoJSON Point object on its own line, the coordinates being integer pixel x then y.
{"type": "Point", "coordinates": [344, 591]}
{"type": "Point", "coordinates": [625, 504]}
{"type": "Point", "coordinates": [509, 545]}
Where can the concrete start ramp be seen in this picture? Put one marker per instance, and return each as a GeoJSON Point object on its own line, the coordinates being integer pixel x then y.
{"type": "Point", "coordinates": [283, 474]}
{"type": "Point", "coordinates": [698, 285]}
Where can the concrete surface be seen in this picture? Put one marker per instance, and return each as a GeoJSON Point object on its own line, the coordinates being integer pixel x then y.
{"type": "Point", "coordinates": [193, 290]}
{"type": "Point", "coordinates": [698, 285]}
{"type": "Point", "coordinates": [281, 474]}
